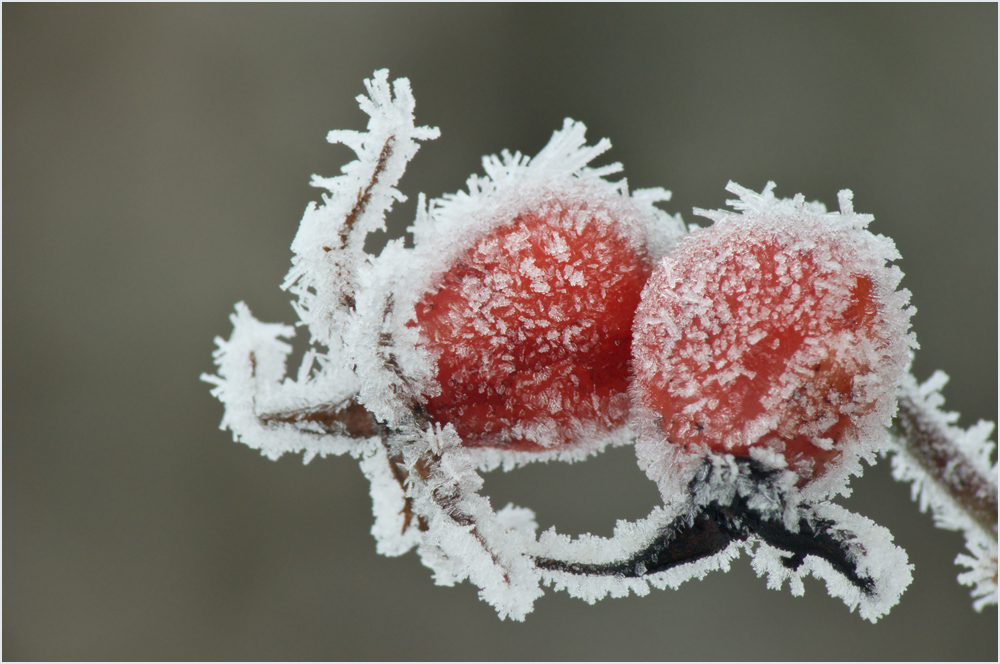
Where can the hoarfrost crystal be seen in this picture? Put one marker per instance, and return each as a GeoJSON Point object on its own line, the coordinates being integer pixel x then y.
{"type": "Point", "coordinates": [504, 337]}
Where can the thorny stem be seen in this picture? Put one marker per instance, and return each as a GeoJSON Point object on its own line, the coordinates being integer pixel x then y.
{"type": "Point", "coordinates": [930, 446]}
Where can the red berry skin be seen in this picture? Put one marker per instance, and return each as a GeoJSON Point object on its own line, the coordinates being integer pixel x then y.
{"type": "Point", "coordinates": [532, 329]}
{"type": "Point", "coordinates": [753, 336]}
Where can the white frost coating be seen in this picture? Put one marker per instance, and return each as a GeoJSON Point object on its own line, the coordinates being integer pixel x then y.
{"type": "Point", "coordinates": [514, 183]}
{"type": "Point", "coordinates": [362, 394]}
{"type": "Point", "coordinates": [388, 361]}
{"type": "Point", "coordinates": [465, 538]}
{"type": "Point", "coordinates": [628, 537]}
{"type": "Point", "coordinates": [974, 446]}
{"type": "Point", "coordinates": [251, 367]}
{"type": "Point", "coordinates": [393, 536]}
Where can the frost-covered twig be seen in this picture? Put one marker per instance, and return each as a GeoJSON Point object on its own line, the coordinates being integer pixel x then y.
{"type": "Point", "coordinates": [329, 247]}
{"type": "Point", "coordinates": [509, 333]}
{"type": "Point", "coordinates": [737, 505]}
{"type": "Point", "coordinates": [952, 475]}
{"type": "Point", "coordinates": [357, 397]}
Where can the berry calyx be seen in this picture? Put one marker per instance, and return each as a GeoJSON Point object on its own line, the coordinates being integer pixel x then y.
{"type": "Point", "coordinates": [531, 324]}
{"type": "Point", "coordinates": [777, 331]}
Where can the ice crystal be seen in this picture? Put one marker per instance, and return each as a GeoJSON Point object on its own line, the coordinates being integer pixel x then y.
{"type": "Point", "coordinates": [501, 338]}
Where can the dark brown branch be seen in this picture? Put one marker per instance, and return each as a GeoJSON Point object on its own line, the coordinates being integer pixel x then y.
{"type": "Point", "coordinates": [674, 546]}
{"type": "Point", "coordinates": [707, 530]}
{"type": "Point", "coordinates": [930, 446]}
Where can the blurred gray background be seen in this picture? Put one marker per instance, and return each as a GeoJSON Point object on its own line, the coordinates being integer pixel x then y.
{"type": "Point", "coordinates": [156, 165]}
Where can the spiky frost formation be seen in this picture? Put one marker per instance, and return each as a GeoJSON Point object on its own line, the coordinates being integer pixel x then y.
{"type": "Point", "coordinates": [952, 475]}
{"type": "Point", "coordinates": [329, 246]}
{"type": "Point", "coordinates": [365, 386]}
{"type": "Point", "coordinates": [317, 412]}
{"type": "Point", "coordinates": [776, 333]}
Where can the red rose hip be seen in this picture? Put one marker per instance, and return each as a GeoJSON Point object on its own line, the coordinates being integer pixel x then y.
{"type": "Point", "coordinates": [531, 323]}
{"type": "Point", "coordinates": [777, 332]}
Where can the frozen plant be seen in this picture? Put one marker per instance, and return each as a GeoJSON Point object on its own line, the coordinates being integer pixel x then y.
{"type": "Point", "coordinates": [548, 312]}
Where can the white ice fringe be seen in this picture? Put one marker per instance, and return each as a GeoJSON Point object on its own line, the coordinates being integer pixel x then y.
{"type": "Point", "coordinates": [324, 269]}
{"type": "Point", "coordinates": [974, 446]}
{"type": "Point", "coordinates": [357, 308]}
{"type": "Point", "coordinates": [251, 368]}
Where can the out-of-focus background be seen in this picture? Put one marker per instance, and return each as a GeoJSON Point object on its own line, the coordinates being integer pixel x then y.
{"type": "Point", "coordinates": [156, 165]}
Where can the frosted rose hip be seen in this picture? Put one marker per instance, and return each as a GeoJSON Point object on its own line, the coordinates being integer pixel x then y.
{"type": "Point", "coordinates": [532, 327]}
{"type": "Point", "coordinates": [778, 330]}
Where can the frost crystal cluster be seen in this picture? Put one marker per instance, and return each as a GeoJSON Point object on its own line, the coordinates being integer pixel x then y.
{"type": "Point", "coordinates": [548, 312]}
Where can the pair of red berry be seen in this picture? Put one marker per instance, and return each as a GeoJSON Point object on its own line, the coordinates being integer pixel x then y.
{"type": "Point", "coordinates": [775, 333]}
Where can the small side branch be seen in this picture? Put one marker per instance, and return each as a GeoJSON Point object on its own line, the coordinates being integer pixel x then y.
{"type": "Point", "coordinates": [347, 260]}
{"type": "Point", "coordinates": [938, 455]}
{"type": "Point", "coordinates": [365, 195]}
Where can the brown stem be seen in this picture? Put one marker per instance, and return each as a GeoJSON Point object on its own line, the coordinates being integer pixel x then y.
{"type": "Point", "coordinates": [930, 446]}
{"type": "Point", "coordinates": [360, 205]}
{"type": "Point", "coordinates": [348, 419]}
{"type": "Point", "coordinates": [354, 420]}
{"type": "Point", "coordinates": [363, 197]}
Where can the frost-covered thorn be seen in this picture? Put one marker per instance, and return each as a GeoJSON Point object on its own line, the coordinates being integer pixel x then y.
{"type": "Point", "coordinates": [349, 418]}
{"type": "Point", "coordinates": [401, 475]}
